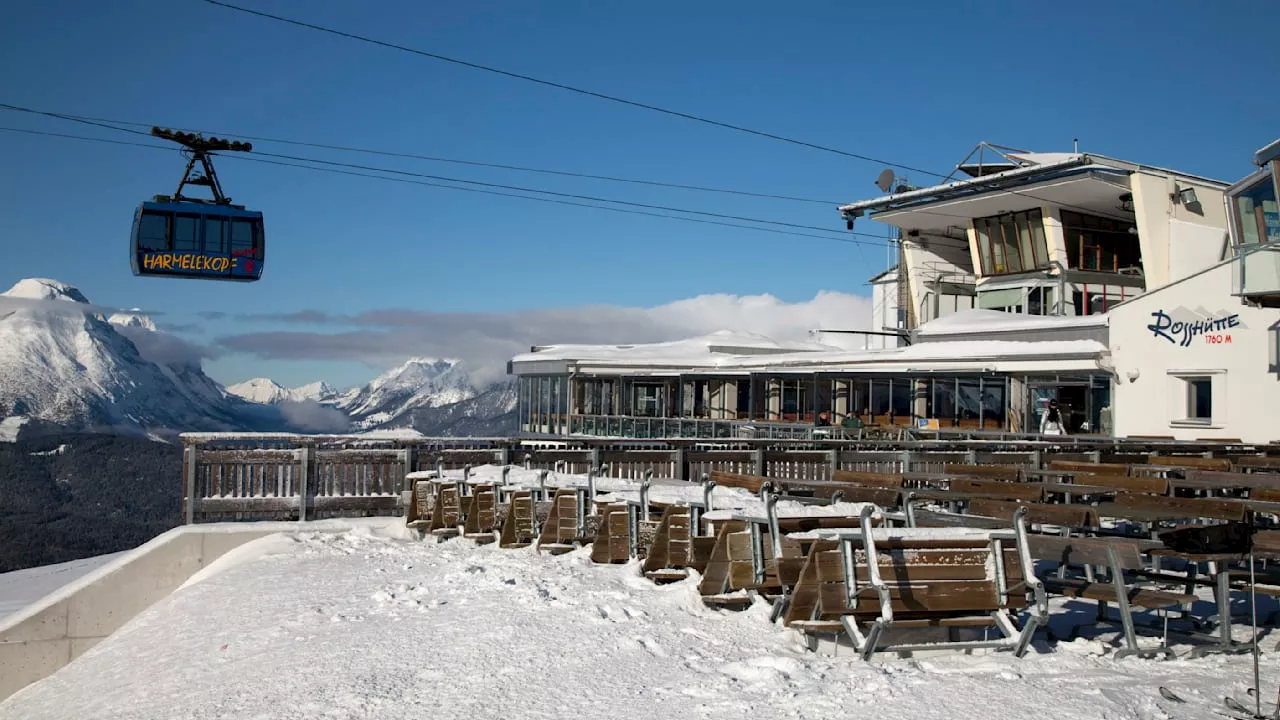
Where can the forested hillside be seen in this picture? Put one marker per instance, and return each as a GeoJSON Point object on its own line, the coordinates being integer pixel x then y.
{"type": "Point", "coordinates": [68, 497]}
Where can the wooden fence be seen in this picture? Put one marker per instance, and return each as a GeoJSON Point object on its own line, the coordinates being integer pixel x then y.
{"type": "Point", "coordinates": [306, 477]}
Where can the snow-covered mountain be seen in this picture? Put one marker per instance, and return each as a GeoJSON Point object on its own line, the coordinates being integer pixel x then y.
{"type": "Point", "coordinates": [67, 365]}
{"type": "Point", "coordinates": [268, 392]}
{"type": "Point", "coordinates": [63, 362]}
{"type": "Point", "coordinates": [417, 383]}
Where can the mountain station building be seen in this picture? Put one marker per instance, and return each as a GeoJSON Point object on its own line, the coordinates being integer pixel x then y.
{"type": "Point", "coordinates": [1143, 301]}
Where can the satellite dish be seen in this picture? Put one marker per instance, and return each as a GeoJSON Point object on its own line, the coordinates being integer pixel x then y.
{"type": "Point", "coordinates": [885, 180]}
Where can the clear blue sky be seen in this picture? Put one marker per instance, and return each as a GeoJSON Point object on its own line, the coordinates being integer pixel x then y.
{"type": "Point", "coordinates": [1182, 84]}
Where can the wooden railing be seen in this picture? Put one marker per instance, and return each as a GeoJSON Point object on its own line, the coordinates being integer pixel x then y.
{"type": "Point", "coordinates": [306, 477]}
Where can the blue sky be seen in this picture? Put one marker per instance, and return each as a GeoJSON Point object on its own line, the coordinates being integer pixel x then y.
{"type": "Point", "coordinates": [1180, 84]}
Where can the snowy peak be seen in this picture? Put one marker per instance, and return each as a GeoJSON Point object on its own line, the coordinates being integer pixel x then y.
{"type": "Point", "coordinates": [420, 382]}
{"type": "Point", "coordinates": [260, 390]}
{"type": "Point", "coordinates": [318, 391]}
{"type": "Point", "coordinates": [45, 289]}
{"type": "Point", "coordinates": [133, 318]}
{"type": "Point", "coordinates": [269, 392]}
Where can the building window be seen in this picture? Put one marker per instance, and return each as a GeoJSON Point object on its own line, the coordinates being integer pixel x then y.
{"type": "Point", "coordinates": [1011, 243]}
{"type": "Point", "coordinates": [1256, 213]}
{"type": "Point", "coordinates": [1100, 244]}
{"type": "Point", "coordinates": [1199, 398]}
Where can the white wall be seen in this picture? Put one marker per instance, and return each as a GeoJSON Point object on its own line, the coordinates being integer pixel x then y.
{"type": "Point", "coordinates": [1150, 394]}
{"type": "Point", "coordinates": [1165, 258]}
{"type": "Point", "coordinates": [884, 314]}
{"type": "Point", "coordinates": [931, 258]}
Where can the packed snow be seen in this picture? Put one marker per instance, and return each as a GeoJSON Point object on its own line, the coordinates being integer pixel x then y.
{"type": "Point", "coordinates": [20, 588]}
{"type": "Point", "coordinates": [371, 622]}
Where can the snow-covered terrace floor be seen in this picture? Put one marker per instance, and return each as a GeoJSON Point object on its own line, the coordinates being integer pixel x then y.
{"type": "Point", "coordinates": [370, 623]}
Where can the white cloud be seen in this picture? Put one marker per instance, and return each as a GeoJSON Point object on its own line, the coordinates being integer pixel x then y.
{"type": "Point", "coordinates": [487, 340]}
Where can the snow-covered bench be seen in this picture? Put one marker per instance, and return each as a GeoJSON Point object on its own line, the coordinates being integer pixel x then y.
{"type": "Point", "coordinates": [921, 577]}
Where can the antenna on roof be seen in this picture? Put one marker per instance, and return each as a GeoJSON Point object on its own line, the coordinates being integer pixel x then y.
{"type": "Point", "coordinates": [884, 181]}
{"type": "Point", "coordinates": [1075, 146]}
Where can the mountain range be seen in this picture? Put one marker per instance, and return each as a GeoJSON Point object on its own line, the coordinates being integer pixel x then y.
{"type": "Point", "coordinates": [67, 365]}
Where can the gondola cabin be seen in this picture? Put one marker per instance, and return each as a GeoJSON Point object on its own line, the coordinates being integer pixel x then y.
{"type": "Point", "coordinates": [207, 241]}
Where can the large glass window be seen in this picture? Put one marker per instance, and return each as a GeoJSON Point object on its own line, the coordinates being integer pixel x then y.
{"type": "Point", "coordinates": [153, 231]}
{"type": "Point", "coordinates": [186, 237]}
{"type": "Point", "coordinates": [1011, 243]}
{"type": "Point", "coordinates": [242, 235]}
{"type": "Point", "coordinates": [1256, 214]}
{"type": "Point", "coordinates": [1100, 244]}
{"type": "Point", "coordinates": [215, 237]}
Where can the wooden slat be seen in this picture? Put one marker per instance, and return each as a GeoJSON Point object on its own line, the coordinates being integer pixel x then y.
{"type": "Point", "coordinates": [751, 483]}
{"type": "Point", "coordinates": [867, 479]}
{"type": "Point", "coordinates": [1219, 509]}
{"type": "Point", "coordinates": [1095, 468]}
{"type": "Point", "coordinates": [1190, 461]}
{"type": "Point", "coordinates": [1004, 473]}
{"type": "Point", "coordinates": [1071, 515]}
{"type": "Point", "coordinates": [997, 489]}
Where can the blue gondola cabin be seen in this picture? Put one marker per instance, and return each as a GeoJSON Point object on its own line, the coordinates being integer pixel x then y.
{"type": "Point", "coordinates": [197, 240]}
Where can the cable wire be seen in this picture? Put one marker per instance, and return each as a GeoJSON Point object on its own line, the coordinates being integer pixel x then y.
{"type": "Point", "coordinates": [853, 241]}
{"type": "Point", "coordinates": [430, 158]}
{"type": "Point", "coordinates": [570, 88]}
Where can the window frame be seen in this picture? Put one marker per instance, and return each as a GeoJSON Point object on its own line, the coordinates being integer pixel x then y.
{"type": "Point", "coordinates": [1182, 410]}
{"type": "Point", "coordinates": [1002, 235]}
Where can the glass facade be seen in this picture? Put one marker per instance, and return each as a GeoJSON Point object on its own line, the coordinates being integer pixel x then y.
{"type": "Point", "coordinates": [1012, 243]}
{"type": "Point", "coordinates": [793, 405]}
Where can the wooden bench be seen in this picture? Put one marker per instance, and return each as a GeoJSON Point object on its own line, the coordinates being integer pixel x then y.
{"type": "Point", "coordinates": [1190, 461]}
{"type": "Point", "coordinates": [997, 489]}
{"type": "Point", "coordinates": [751, 483]}
{"type": "Point", "coordinates": [566, 524]}
{"type": "Point", "coordinates": [675, 549]}
{"type": "Point", "coordinates": [1175, 508]}
{"type": "Point", "coordinates": [758, 556]}
{"type": "Point", "coordinates": [1072, 516]}
{"type": "Point", "coordinates": [479, 513]}
{"type": "Point", "coordinates": [866, 479]}
{"type": "Point", "coordinates": [1094, 468]}
{"type": "Point", "coordinates": [1147, 485]}
{"type": "Point", "coordinates": [1004, 473]}
{"type": "Point", "coordinates": [919, 578]}
{"type": "Point", "coordinates": [1116, 555]}
{"type": "Point", "coordinates": [612, 542]}
{"type": "Point", "coordinates": [521, 521]}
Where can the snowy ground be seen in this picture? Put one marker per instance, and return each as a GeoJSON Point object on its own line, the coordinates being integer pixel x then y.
{"type": "Point", "coordinates": [371, 624]}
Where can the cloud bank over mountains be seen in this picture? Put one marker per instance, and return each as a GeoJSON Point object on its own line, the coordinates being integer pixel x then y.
{"type": "Point", "coordinates": [486, 340]}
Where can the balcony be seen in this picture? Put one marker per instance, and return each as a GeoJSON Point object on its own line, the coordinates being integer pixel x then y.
{"type": "Point", "coordinates": [1257, 273]}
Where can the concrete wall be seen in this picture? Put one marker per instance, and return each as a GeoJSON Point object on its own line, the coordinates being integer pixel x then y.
{"type": "Point", "coordinates": [930, 258]}
{"type": "Point", "coordinates": [1164, 256]}
{"type": "Point", "coordinates": [37, 641]}
{"type": "Point", "coordinates": [1150, 388]}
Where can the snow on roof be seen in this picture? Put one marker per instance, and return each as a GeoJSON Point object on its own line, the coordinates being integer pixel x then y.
{"type": "Point", "coordinates": [985, 321]}
{"type": "Point", "coordinates": [1067, 160]}
{"type": "Point", "coordinates": [696, 349]}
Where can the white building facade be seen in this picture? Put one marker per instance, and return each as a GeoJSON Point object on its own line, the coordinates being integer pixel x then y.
{"type": "Point", "coordinates": [1142, 301]}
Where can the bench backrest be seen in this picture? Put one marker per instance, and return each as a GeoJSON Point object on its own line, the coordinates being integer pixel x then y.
{"type": "Point", "coordinates": [1007, 473]}
{"type": "Point", "coordinates": [1063, 515]}
{"type": "Point", "coordinates": [1269, 481]}
{"type": "Point", "coordinates": [1140, 484]}
{"type": "Point", "coordinates": [1265, 495]}
{"type": "Point", "coordinates": [866, 479]}
{"type": "Point", "coordinates": [887, 498]}
{"type": "Point", "coordinates": [1074, 551]}
{"type": "Point", "coordinates": [1095, 468]}
{"type": "Point", "coordinates": [997, 489]}
{"type": "Point", "coordinates": [1190, 461]}
{"type": "Point", "coordinates": [751, 483]}
{"type": "Point", "coordinates": [1183, 507]}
